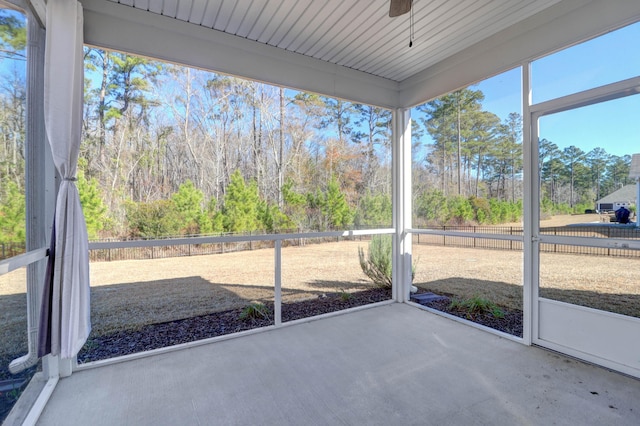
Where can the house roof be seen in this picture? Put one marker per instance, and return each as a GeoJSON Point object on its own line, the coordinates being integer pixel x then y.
{"type": "Point", "coordinates": [625, 194]}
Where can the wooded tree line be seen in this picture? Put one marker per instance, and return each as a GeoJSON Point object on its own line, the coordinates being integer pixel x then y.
{"type": "Point", "coordinates": [13, 38]}
{"type": "Point", "coordinates": [475, 154]}
{"type": "Point", "coordinates": [301, 161]}
{"type": "Point", "coordinates": [170, 150]}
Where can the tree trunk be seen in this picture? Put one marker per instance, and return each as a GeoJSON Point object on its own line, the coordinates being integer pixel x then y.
{"type": "Point", "coordinates": [102, 106]}
{"type": "Point", "coordinates": [280, 163]}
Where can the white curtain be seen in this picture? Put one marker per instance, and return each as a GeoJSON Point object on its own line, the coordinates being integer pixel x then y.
{"type": "Point", "coordinates": [68, 320]}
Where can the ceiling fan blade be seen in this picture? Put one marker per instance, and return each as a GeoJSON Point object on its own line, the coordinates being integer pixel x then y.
{"type": "Point", "coordinates": [399, 7]}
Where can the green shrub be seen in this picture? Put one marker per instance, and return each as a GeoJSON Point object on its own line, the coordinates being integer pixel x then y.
{"type": "Point", "coordinates": [432, 207]}
{"type": "Point", "coordinates": [377, 264]}
{"type": "Point", "coordinates": [435, 208]}
{"type": "Point", "coordinates": [482, 209]}
{"type": "Point", "coordinates": [12, 213]}
{"type": "Point", "coordinates": [255, 311]}
{"type": "Point", "coordinates": [345, 296]}
{"type": "Point", "coordinates": [581, 207]}
{"type": "Point", "coordinates": [476, 305]}
{"type": "Point", "coordinates": [153, 219]}
{"type": "Point", "coordinates": [550, 208]}
{"type": "Point", "coordinates": [373, 210]}
{"type": "Point", "coordinates": [460, 210]}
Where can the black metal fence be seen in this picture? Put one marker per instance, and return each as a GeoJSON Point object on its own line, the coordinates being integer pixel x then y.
{"type": "Point", "coordinates": [8, 250]}
{"type": "Point", "coordinates": [594, 231]}
{"type": "Point", "coordinates": [161, 252]}
{"type": "Point", "coordinates": [489, 243]}
{"type": "Point", "coordinates": [197, 249]}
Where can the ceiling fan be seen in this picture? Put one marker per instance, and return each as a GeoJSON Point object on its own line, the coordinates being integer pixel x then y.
{"type": "Point", "coordinates": [399, 7]}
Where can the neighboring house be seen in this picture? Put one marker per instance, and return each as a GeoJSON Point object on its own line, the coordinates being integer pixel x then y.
{"type": "Point", "coordinates": [625, 196]}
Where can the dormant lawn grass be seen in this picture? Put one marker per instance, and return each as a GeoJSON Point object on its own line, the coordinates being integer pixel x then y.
{"type": "Point", "coordinates": [605, 283]}
{"type": "Point", "coordinates": [132, 293]}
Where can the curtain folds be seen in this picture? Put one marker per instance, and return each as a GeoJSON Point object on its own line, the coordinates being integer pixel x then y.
{"type": "Point", "coordinates": [67, 324]}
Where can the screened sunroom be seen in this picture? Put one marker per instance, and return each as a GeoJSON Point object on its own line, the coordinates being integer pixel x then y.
{"type": "Point", "coordinates": [279, 211]}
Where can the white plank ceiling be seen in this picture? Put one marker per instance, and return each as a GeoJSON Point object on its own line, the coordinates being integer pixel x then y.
{"type": "Point", "coordinates": [356, 34]}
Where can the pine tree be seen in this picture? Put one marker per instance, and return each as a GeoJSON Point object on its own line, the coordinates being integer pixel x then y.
{"type": "Point", "coordinates": [188, 202]}
{"type": "Point", "coordinates": [241, 203]}
{"type": "Point", "coordinates": [13, 35]}
{"type": "Point", "coordinates": [12, 215]}
{"type": "Point", "coordinates": [294, 205]}
{"type": "Point", "coordinates": [95, 212]}
{"type": "Point", "coordinates": [374, 210]}
{"type": "Point", "coordinates": [335, 208]}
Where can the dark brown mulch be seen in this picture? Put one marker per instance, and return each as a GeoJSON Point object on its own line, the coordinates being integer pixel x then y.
{"type": "Point", "coordinates": [217, 324]}
{"type": "Point", "coordinates": [511, 323]}
{"type": "Point", "coordinates": [11, 386]}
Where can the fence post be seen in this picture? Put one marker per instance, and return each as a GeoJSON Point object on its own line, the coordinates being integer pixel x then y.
{"type": "Point", "coordinates": [474, 238]}
{"type": "Point", "coordinates": [511, 241]}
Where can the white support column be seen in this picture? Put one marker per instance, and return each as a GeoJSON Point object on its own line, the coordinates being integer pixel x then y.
{"type": "Point", "coordinates": [39, 186]}
{"type": "Point", "coordinates": [42, 186]}
{"type": "Point", "coordinates": [531, 207]}
{"type": "Point", "coordinates": [277, 302]}
{"type": "Point", "coordinates": [638, 203]}
{"type": "Point", "coordinates": [634, 173]}
{"type": "Point", "coordinates": [396, 201]}
{"type": "Point", "coordinates": [406, 204]}
{"type": "Point", "coordinates": [402, 204]}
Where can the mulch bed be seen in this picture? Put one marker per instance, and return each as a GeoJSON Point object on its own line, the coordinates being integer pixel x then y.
{"type": "Point", "coordinates": [511, 323]}
{"type": "Point", "coordinates": [11, 386]}
{"type": "Point", "coordinates": [217, 324]}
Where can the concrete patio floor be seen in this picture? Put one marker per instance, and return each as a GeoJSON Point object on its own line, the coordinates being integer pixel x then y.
{"type": "Point", "coordinates": [388, 365]}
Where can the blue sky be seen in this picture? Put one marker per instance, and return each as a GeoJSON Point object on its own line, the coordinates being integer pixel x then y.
{"type": "Point", "coordinates": [613, 126]}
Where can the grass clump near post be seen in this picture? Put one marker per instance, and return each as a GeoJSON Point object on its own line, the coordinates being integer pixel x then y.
{"type": "Point", "coordinates": [255, 311]}
{"type": "Point", "coordinates": [377, 263]}
{"type": "Point", "coordinates": [476, 305]}
{"type": "Point", "coordinates": [345, 296]}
